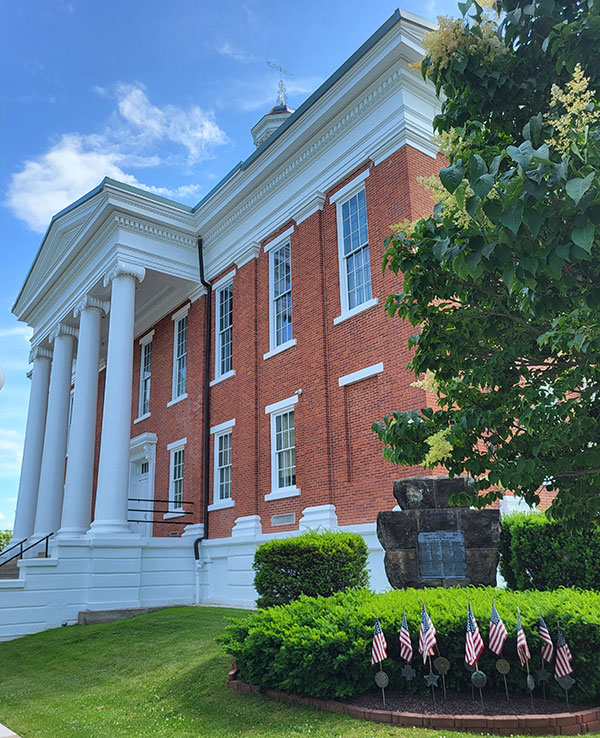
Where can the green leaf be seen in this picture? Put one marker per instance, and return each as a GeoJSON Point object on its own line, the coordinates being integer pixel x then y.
{"type": "Point", "coordinates": [493, 210]}
{"type": "Point", "coordinates": [576, 188]}
{"type": "Point", "coordinates": [472, 205]}
{"type": "Point", "coordinates": [521, 155]}
{"type": "Point", "coordinates": [483, 185]}
{"type": "Point", "coordinates": [476, 167]}
{"type": "Point", "coordinates": [584, 237]}
{"type": "Point", "coordinates": [512, 218]}
{"type": "Point", "coordinates": [452, 176]}
{"type": "Point", "coordinates": [533, 220]}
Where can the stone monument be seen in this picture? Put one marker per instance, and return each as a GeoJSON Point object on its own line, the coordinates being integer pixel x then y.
{"type": "Point", "coordinates": [430, 544]}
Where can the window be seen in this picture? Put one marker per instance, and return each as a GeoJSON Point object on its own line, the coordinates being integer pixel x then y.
{"type": "Point", "coordinates": [223, 465]}
{"type": "Point", "coordinates": [283, 449]}
{"type": "Point", "coordinates": [177, 450]}
{"type": "Point", "coordinates": [280, 288]}
{"type": "Point", "coordinates": [356, 268]}
{"type": "Point", "coordinates": [224, 352]}
{"type": "Point", "coordinates": [145, 373]}
{"type": "Point", "coordinates": [180, 357]}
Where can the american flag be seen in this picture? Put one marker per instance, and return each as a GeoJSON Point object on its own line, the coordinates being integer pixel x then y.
{"type": "Point", "coordinates": [522, 647]}
{"type": "Point", "coordinates": [547, 645]}
{"type": "Point", "coordinates": [427, 638]}
{"type": "Point", "coordinates": [473, 642]}
{"type": "Point", "coordinates": [562, 666]}
{"type": "Point", "coordinates": [379, 651]}
{"type": "Point", "coordinates": [406, 649]}
{"type": "Point", "coordinates": [498, 634]}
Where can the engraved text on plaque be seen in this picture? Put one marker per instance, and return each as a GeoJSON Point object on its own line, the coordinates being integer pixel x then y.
{"type": "Point", "coordinates": [442, 554]}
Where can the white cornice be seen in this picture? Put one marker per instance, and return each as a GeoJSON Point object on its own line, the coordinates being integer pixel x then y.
{"type": "Point", "coordinates": [163, 234]}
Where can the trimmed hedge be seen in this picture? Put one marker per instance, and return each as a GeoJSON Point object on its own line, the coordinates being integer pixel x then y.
{"type": "Point", "coordinates": [539, 554]}
{"type": "Point", "coordinates": [321, 647]}
{"type": "Point", "coordinates": [311, 564]}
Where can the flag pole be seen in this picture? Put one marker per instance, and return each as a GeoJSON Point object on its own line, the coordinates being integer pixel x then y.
{"type": "Point", "coordinates": [380, 669]}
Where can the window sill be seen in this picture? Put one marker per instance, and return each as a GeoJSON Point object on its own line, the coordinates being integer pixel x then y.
{"type": "Point", "coordinates": [175, 400]}
{"type": "Point", "coordinates": [356, 310]}
{"type": "Point", "coordinates": [279, 349]}
{"type": "Point", "coordinates": [173, 514]}
{"type": "Point", "coordinates": [221, 505]}
{"type": "Point", "coordinates": [223, 377]}
{"type": "Point", "coordinates": [281, 494]}
{"type": "Point", "coordinates": [141, 417]}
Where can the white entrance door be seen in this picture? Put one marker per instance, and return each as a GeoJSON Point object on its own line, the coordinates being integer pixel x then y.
{"type": "Point", "coordinates": [140, 498]}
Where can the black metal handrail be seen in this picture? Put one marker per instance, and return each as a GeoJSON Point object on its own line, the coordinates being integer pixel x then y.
{"type": "Point", "coordinates": [145, 499]}
{"type": "Point", "coordinates": [19, 554]}
{"type": "Point", "coordinates": [14, 545]}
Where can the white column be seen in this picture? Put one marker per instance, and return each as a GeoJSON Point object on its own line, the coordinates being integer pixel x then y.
{"type": "Point", "coordinates": [52, 474]}
{"type": "Point", "coordinates": [110, 514]}
{"type": "Point", "coordinates": [34, 442]}
{"type": "Point", "coordinates": [77, 502]}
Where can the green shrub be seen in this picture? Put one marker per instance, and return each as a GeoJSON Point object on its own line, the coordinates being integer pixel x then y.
{"type": "Point", "coordinates": [5, 538]}
{"type": "Point", "coordinates": [538, 554]}
{"type": "Point", "coordinates": [321, 647]}
{"type": "Point", "coordinates": [311, 564]}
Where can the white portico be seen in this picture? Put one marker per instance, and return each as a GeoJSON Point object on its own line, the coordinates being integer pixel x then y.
{"type": "Point", "coordinates": [108, 270]}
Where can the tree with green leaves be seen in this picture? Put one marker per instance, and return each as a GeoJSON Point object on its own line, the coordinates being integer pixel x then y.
{"type": "Point", "coordinates": [502, 281]}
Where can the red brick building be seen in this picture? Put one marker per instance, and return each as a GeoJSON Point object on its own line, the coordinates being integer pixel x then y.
{"type": "Point", "coordinates": [268, 431]}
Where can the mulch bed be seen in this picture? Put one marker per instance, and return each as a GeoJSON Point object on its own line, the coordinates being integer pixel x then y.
{"type": "Point", "coordinates": [458, 703]}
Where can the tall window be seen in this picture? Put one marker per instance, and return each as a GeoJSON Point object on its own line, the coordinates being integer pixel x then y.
{"type": "Point", "coordinates": [224, 352]}
{"type": "Point", "coordinates": [283, 449]}
{"type": "Point", "coordinates": [281, 295]}
{"type": "Point", "coordinates": [356, 269]}
{"type": "Point", "coordinates": [223, 466]}
{"type": "Point", "coordinates": [180, 357]}
{"type": "Point", "coordinates": [176, 484]}
{"type": "Point", "coordinates": [145, 374]}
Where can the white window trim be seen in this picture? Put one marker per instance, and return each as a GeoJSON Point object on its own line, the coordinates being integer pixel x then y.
{"type": "Point", "coordinates": [281, 405]}
{"type": "Point", "coordinates": [222, 426]}
{"type": "Point", "coordinates": [217, 431]}
{"type": "Point", "coordinates": [221, 378]}
{"type": "Point", "coordinates": [351, 188]}
{"type": "Point", "coordinates": [368, 371]}
{"type": "Point", "coordinates": [223, 281]}
{"type": "Point", "coordinates": [355, 310]}
{"type": "Point", "coordinates": [176, 317]}
{"type": "Point", "coordinates": [275, 409]}
{"type": "Point", "coordinates": [278, 240]}
{"type": "Point", "coordinates": [143, 343]}
{"type": "Point", "coordinates": [173, 512]}
{"type": "Point", "coordinates": [222, 284]}
{"type": "Point", "coordinates": [279, 349]}
{"type": "Point", "coordinates": [273, 349]}
{"type": "Point", "coordinates": [340, 197]}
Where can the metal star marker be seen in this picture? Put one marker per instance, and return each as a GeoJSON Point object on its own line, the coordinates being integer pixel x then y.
{"type": "Point", "coordinates": [408, 673]}
{"type": "Point", "coordinates": [431, 679]}
{"type": "Point", "coordinates": [542, 675]}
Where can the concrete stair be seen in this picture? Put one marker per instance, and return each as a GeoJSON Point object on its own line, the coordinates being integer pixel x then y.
{"type": "Point", "coordinates": [10, 570]}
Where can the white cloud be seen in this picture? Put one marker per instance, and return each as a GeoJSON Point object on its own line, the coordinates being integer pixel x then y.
{"type": "Point", "coordinates": [239, 55]}
{"type": "Point", "coordinates": [19, 330]}
{"type": "Point", "coordinates": [138, 135]}
{"type": "Point", "coordinates": [11, 450]}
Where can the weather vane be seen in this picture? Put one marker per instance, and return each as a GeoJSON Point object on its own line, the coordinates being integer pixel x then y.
{"type": "Point", "coordinates": [281, 93]}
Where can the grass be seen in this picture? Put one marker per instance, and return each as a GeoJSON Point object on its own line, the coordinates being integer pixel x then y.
{"type": "Point", "coordinates": [159, 675]}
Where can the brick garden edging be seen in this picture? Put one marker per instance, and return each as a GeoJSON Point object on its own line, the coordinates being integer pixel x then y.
{"type": "Point", "coordinates": [560, 723]}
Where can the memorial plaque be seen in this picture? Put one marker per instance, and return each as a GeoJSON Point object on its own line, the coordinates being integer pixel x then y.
{"type": "Point", "coordinates": [442, 554]}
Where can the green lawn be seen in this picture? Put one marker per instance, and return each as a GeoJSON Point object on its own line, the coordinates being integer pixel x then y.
{"type": "Point", "coordinates": [156, 675]}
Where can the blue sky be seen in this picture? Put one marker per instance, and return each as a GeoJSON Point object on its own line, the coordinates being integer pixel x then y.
{"type": "Point", "coordinates": [158, 94]}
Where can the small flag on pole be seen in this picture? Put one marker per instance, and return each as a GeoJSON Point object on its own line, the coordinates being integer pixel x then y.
{"type": "Point", "coordinates": [547, 645]}
{"type": "Point", "coordinates": [406, 649]}
{"type": "Point", "coordinates": [474, 642]}
{"type": "Point", "coordinates": [427, 638]}
{"type": "Point", "coordinates": [379, 651]}
{"type": "Point", "coordinates": [522, 647]}
{"type": "Point", "coordinates": [498, 633]}
{"type": "Point", "coordinates": [562, 666]}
